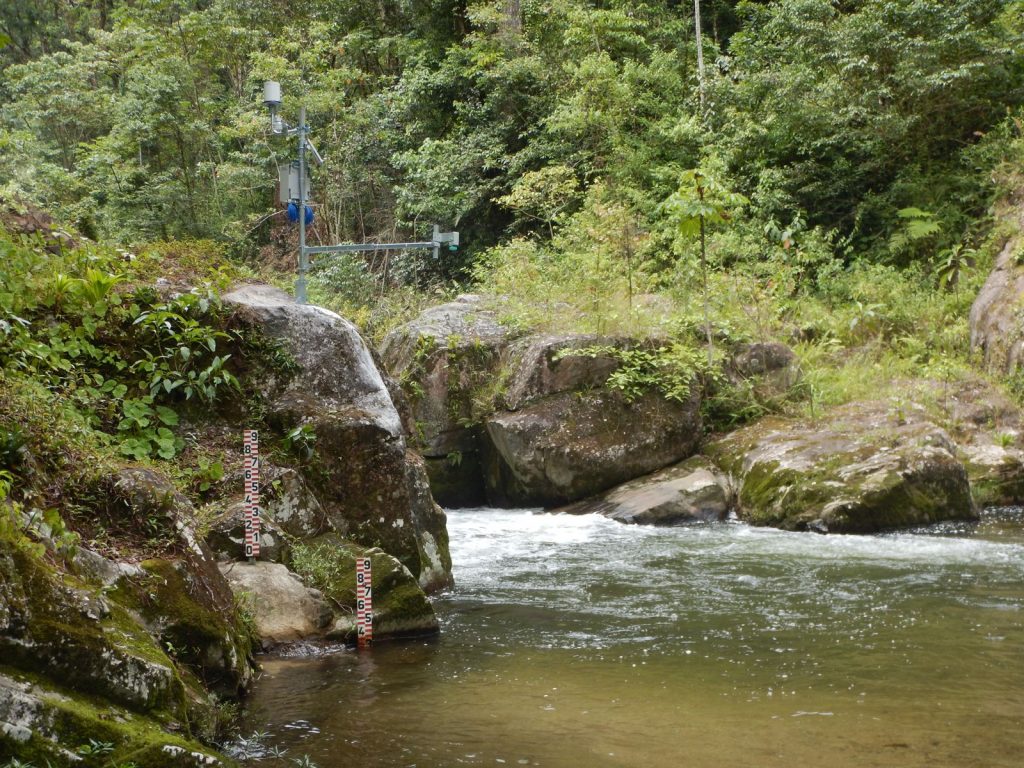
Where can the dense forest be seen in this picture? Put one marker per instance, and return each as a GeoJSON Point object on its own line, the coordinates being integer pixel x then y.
{"type": "Point", "coordinates": [825, 173]}
{"type": "Point", "coordinates": [854, 131]}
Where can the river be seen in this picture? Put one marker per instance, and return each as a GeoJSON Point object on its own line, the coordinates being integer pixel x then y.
{"type": "Point", "coordinates": [577, 641]}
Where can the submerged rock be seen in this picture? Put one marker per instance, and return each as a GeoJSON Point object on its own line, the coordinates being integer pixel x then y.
{"type": "Point", "coordinates": [690, 492]}
{"type": "Point", "coordinates": [370, 488]}
{"type": "Point", "coordinates": [443, 359]}
{"type": "Point", "coordinates": [859, 469]}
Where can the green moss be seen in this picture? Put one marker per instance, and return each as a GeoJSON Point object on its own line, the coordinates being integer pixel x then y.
{"type": "Point", "coordinates": [213, 644]}
{"type": "Point", "coordinates": [328, 563]}
{"type": "Point", "coordinates": [1000, 485]}
{"type": "Point", "coordinates": [70, 632]}
{"type": "Point", "coordinates": [70, 719]}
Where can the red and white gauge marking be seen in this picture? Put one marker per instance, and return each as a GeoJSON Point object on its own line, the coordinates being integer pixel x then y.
{"type": "Point", "coordinates": [364, 602]}
{"type": "Point", "coordinates": [251, 454]}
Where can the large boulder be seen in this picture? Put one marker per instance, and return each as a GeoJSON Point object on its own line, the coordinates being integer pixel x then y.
{"type": "Point", "coordinates": [369, 484]}
{"type": "Point", "coordinates": [567, 435]}
{"type": "Point", "coordinates": [284, 609]}
{"type": "Point", "coordinates": [861, 468]}
{"type": "Point", "coordinates": [692, 491]}
{"type": "Point", "coordinates": [997, 325]}
{"type": "Point", "coordinates": [573, 445]}
{"type": "Point", "coordinates": [445, 359]}
{"type": "Point", "coordinates": [93, 648]}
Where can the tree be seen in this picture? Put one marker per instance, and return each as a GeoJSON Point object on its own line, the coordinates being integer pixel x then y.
{"type": "Point", "coordinates": [701, 202]}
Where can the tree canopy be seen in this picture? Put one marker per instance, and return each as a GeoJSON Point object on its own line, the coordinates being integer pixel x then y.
{"type": "Point", "coordinates": [143, 120]}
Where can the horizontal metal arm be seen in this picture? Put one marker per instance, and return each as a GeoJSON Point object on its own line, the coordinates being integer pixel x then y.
{"type": "Point", "coordinates": [354, 247]}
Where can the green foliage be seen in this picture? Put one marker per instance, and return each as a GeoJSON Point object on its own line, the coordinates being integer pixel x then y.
{"type": "Point", "coordinates": [300, 441]}
{"type": "Point", "coordinates": [346, 276]}
{"type": "Point", "coordinates": [701, 199]}
{"type": "Point", "coordinates": [670, 370]}
{"type": "Point", "coordinates": [915, 225]}
{"type": "Point", "coordinates": [127, 357]}
{"type": "Point", "coordinates": [95, 748]}
{"type": "Point", "coordinates": [554, 136]}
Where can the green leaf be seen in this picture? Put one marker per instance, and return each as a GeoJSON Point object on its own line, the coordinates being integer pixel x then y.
{"type": "Point", "coordinates": [167, 415]}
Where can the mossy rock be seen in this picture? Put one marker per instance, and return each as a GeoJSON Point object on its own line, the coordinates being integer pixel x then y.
{"type": "Point", "coordinates": [859, 469]}
{"type": "Point", "coordinates": [400, 606]}
{"type": "Point", "coordinates": [198, 624]}
{"type": "Point", "coordinates": [442, 358]}
{"type": "Point", "coordinates": [996, 474]}
{"type": "Point", "coordinates": [46, 724]}
{"type": "Point", "coordinates": [65, 629]}
{"type": "Point", "coordinates": [368, 483]}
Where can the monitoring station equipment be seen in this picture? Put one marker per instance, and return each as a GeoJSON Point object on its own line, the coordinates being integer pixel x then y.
{"type": "Point", "coordinates": [296, 193]}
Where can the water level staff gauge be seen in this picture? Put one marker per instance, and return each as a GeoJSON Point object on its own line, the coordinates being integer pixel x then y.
{"type": "Point", "coordinates": [295, 193]}
{"type": "Point", "coordinates": [251, 479]}
{"type": "Point", "coordinates": [364, 602]}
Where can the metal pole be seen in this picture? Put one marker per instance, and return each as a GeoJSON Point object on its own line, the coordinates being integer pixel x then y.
{"type": "Point", "coordinates": [300, 283]}
{"type": "Point", "coordinates": [700, 51]}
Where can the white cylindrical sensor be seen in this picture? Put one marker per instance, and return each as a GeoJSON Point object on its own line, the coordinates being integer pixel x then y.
{"type": "Point", "coordinates": [272, 93]}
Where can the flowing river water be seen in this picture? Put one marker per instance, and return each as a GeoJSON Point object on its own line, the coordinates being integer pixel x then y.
{"type": "Point", "coordinates": [577, 641]}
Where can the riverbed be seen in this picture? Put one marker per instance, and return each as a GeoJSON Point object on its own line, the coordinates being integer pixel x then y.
{"type": "Point", "coordinates": [578, 641]}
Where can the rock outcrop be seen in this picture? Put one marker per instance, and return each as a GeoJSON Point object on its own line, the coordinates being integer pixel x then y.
{"type": "Point", "coordinates": [692, 491]}
{"type": "Point", "coordinates": [76, 664]}
{"type": "Point", "coordinates": [570, 446]}
{"type": "Point", "coordinates": [862, 468]}
{"type": "Point", "coordinates": [444, 358]}
{"type": "Point", "coordinates": [997, 324]}
{"type": "Point", "coordinates": [529, 421]}
{"type": "Point", "coordinates": [372, 489]}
